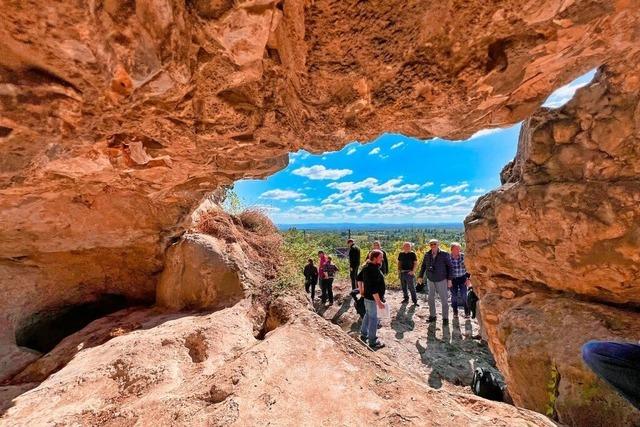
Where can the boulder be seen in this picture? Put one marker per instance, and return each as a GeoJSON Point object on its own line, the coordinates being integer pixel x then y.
{"type": "Point", "coordinates": [199, 274]}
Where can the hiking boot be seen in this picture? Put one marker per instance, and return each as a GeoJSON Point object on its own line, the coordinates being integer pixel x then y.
{"type": "Point", "coordinates": [363, 338]}
{"type": "Point", "coordinates": [377, 346]}
{"type": "Point", "coordinates": [415, 303]}
{"type": "Point", "coordinates": [431, 319]}
{"type": "Point", "coordinates": [405, 300]}
{"type": "Point", "coordinates": [466, 316]}
{"type": "Point", "coordinates": [445, 321]}
{"type": "Point", "coordinates": [455, 313]}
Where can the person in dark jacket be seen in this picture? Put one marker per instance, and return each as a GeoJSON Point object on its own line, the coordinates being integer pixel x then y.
{"type": "Point", "coordinates": [374, 290]}
{"type": "Point", "coordinates": [329, 270]}
{"type": "Point", "coordinates": [310, 278]}
{"type": "Point", "coordinates": [384, 267]}
{"type": "Point", "coordinates": [354, 261]}
{"type": "Point", "coordinates": [437, 271]}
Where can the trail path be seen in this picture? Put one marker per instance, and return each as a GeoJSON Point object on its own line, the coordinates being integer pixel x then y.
{"type": "Point", "coordinates": [444, 357]}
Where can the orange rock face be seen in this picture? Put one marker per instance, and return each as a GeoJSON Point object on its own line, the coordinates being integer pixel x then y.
{"type": "Point", "coordinates": [564, 226]}
{"type": "Point", "coordinates": [117, 117]}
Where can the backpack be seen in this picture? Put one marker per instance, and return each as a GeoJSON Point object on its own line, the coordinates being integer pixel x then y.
{"type": "Point", "coordinates": [485, 384]}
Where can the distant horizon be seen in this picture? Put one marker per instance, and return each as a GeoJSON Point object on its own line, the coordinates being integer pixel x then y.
{"type": "Point", "coordinates": [360, 225]}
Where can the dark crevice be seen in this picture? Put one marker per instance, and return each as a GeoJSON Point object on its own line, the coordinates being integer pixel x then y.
{"type": "Point", "coordinates": [5, 131]}
{"type": "Point", "coordinates": [42, 331]}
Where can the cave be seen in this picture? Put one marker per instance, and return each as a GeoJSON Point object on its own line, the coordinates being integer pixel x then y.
{"type": "Point", "coordinates": [225, 90]}
{"type": "Point", "coordinates": [42, 331]}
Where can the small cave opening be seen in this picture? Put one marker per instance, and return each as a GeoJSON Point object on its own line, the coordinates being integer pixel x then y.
{"type": "Point", "coordinates": [43, 330]}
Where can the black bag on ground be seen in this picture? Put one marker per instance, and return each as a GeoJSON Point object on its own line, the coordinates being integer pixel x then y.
{"type": "Point", "coordinates": [485, 384]}
{"type": "Point", "coordinates": [420, 287]}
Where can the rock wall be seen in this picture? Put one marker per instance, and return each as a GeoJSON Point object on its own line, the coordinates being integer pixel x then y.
{"type": "Point", "coordinates": [118, 116]}
{"type": "Point", "coordinates": [555, 250]}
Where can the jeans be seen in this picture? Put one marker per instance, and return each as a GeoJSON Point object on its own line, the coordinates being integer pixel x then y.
{"type": "Point", "coordinates": [353, 273]}
{"type": "Point", "coordinates": [443, 293]}
{"type": "Point", "coordinates": [327, 290]}
{"type": "Point", "coordinates": [408, 281]}
{"type": "Point", "coordinates": [370, 322]}
{"type": "Point", "coordinates": [459, 294]}
{"type": "Point", "coordinates": [618, 364]}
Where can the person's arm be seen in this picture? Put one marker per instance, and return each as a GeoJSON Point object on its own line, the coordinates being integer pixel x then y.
{"type": "Point", "coordinates": [414, 265]}
{"type": "Point", "coordinates": [379, 302]}
{"type": "Point", "coordinates": [357, 257]}
{"type": "Point", "coordinates": [423, 267]}
{"type": "Point", "coordinates": [449, 266]}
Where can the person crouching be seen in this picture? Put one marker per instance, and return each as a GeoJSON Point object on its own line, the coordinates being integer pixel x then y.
{"type": "Point", "coordinates": [374, 288]}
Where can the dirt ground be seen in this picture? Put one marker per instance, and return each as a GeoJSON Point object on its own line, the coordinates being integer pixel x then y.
{"type": "Point", "coordinates": [443, 357]}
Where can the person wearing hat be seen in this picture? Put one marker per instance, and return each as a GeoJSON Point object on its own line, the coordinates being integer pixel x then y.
{"type": "Point", "coordinates": [354, 261]}
{"type": "Point", "coordinates": [437, 270]}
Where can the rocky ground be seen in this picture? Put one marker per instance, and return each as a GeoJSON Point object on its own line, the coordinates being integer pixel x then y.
{"type": "Point", "coordinates": [442, 356]}
{"type": "Point", "coordinates": [242, 366]}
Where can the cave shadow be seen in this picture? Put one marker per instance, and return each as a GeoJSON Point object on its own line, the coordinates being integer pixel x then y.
{"type": "Point", "coordinates": [403, 321]}
{"type": "Point", "coordinates": [344, 307]}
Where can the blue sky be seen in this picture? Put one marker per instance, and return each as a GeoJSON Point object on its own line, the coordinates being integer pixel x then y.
{"type": "Point", "coordinates": [392, 179]}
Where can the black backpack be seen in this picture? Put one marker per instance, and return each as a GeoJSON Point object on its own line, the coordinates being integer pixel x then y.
{"type": "Point", "coordinates": [485, 384]}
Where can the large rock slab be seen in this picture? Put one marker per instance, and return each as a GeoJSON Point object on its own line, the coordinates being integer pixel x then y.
{"type": "Point", "coordinates": [555, 250]}
{"type": "Point", "coordinates": [210, 369]}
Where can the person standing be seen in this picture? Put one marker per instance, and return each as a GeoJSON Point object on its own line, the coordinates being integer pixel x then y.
{"type": "Point", "coordinates": [374, 289]}
{"type": "Point", "coordinates": [322, 259]}
{"type": "Point", "coordinates": [384, 267]}
{"type": "Point", "coordinates": [407, 263]}
{"type": "Point", "coordinates": [329, 270]}
{"type": "Point", "coordinates": [354, 261]}
{"type": "Point", "coordinates": [310, 278]}
{"type": "Point", "coordinates": [460, 280]}
{"type": "Point", "coordinates": [436, 269]}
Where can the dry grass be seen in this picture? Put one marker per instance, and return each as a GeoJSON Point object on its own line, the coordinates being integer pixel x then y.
{"type": "Point", "coordinates": [253, 231]}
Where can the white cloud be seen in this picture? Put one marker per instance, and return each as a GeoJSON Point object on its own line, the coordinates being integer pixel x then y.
{"type": "Point", "coordinates": [563, 95]}
{"type": "Point", "coordinates": [392, 186]}
{"type": "Point", "coordinates": [353, 186]}
{"type": "Point", "coordinates": [454, 188]}
{"type": "Point", "coordinates": [318, 172]}
{"type": "Point", "coordinates": [374, 151]}
{"type": "Point", "coordinates": [395, 198]}
{"type": "Point", "coordinates": [304, 200]}
{"type": "Point", "coordinates": [479, 190]}
{"type": "Point", "coordinates": [351, 151]}
{"type": "Point", "coordinates": [484, 132]}
{"type": "Point", "coordinates": [397, 145]}
{"type": "Point", "coordinates": [427, 184]}
{"type": "Point", "coordinates": [278, 194]}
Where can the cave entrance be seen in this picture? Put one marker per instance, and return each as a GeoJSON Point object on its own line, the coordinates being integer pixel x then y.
{"type": "Point", "coordinates": [44, 330]}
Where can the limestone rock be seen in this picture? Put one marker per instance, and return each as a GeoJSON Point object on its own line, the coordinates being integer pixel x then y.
{"type": "Point", "coordinates": [564, 226]}
{"type": "Point", "coordinates": [199, 274]}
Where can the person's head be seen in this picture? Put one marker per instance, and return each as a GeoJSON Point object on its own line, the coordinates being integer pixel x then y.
{"type": "Point", "coordinates": [455, 248]}
{"type": "Point", "coordinates": [350, 242]}
{"type": "Point", "coordinates": [321, 254]}
{"type": "Point", "coordinates": [375, 257]}
{"type": "Point", "coordinates": [329, 259]}
{"type": "Point", "coordinates": [376, 245]}
{"type": "Point", "coordinates": [310, 261]}
{"type": "Point", "coordinates": [434, 244]}
{"type": "Point", "coordinates": [406, 247]}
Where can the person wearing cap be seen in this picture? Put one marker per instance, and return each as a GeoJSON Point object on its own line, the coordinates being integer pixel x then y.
{"type": "Point", "coordinates": [437, 270]}
{"type": "Point", "coordinates": [354, 261]}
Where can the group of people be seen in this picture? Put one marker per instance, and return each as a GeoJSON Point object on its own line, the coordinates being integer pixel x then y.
{"type": "Point", "coordinates": [616, 363]}
{"type": "Point", "coordinates": [442, 272]}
